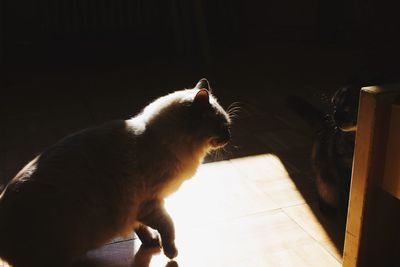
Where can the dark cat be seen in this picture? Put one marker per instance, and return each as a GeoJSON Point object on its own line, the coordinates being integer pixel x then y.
{"type": "Point", "coordinates": [333, 149]}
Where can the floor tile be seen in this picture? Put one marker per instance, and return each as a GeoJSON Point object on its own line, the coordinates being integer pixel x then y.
{"type": "Point", "coordinates": [325, 231]}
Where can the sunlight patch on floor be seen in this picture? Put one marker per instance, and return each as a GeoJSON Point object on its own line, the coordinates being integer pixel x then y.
{"type": "Point", "coordinates": [231, 214]}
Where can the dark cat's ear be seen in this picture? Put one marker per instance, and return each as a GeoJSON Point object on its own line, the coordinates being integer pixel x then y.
{"type": "Point", "coordinates": [202, 98]}
{"type": "Point", "coordinates": [203, 84]}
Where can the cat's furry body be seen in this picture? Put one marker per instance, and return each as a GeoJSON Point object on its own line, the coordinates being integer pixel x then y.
{"type": "Point", "coordinates": [333, 148]}
{"type": "Point", "coordinates": [332, 159]}
{"type": "Point", "coordinates": [107, 181]}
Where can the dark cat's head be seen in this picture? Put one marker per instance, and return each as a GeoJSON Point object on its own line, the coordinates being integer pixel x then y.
{"type": "Point", "coordinates": [345, 107]}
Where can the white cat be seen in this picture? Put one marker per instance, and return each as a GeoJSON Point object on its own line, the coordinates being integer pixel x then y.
{"type": "Point", "coordinates": [105, 182]}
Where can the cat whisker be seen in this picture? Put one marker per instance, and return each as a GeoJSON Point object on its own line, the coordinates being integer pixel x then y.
{"type": "Point", "coordinates": [234, 111]}
{"type": "Point", "coordinates": [228, 149]}
{"type": "Point", "coordinates": [234, 107]}
{"type": "Point", "coordinates": [217, 155]}
{"type": "Point", "coordinates": [213, 155]}
{"type": "Point", "coordinates": [242, 109]}
{"type": "Point", "coordinates": [234, 104]}
{"type": "Point", "coordinates": [234, 117]}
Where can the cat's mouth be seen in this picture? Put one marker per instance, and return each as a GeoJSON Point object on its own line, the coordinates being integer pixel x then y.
{"type": "Point", "coordinates": [348, 127]}
{"type": "Point", "coordinates": [220, 141]}
{"type": "Point", "coordinates": [345, 125]}
{"type": "Point", "coordinates": [220, 138]}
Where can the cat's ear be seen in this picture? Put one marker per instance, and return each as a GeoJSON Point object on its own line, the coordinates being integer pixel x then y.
{"type": "Point", "coordinates": [202, 98]}
{"type": "Point", "coordinates": [203, 84]}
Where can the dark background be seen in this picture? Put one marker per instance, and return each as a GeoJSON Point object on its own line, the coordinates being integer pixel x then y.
{"type": "Point", "coordinates": [132, 32]}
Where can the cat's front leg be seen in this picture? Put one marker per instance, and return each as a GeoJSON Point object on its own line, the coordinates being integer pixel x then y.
{"type": "Point", "coordinates": [148, 238]}
{"type": "Point", "coordinates": [153, 214]}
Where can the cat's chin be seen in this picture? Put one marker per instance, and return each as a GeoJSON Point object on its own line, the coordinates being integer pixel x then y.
{"type": "Point", "coordinates": [215, 143]}
{"type": "Point", "coordinates": [348, 128]}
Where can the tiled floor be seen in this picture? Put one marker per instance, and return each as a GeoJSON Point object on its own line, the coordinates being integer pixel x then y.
{"type": "Point", "coordinates": [252, 205]}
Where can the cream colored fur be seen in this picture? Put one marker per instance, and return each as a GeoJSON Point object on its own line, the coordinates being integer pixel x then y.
{"type": "Point", "coordinates": [105, 182]}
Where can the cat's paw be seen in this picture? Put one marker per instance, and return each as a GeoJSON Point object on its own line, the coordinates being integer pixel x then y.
{"type": "Point", "coordinates": [172, 263]}
{"type": "Point", "coordinates": [152, 241]}
{"type": "Point", "coordinates": [170, 251]}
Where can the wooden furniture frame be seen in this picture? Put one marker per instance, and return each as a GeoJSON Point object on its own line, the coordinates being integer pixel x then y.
{"type": "Point", "coordinates": [372, 232]}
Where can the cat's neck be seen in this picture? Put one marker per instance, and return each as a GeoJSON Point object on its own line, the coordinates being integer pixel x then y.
{"type": "Point", "coordinates": [176, 144]}
{"type": "Point", "coordinates": [174, 158]}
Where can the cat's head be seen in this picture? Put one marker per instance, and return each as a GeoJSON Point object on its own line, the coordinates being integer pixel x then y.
{"type": "Point", "coordinates": [192, 115]}
{"type": "Point", "coordinates": [207, 119]}
{"type": "Point", "coordinates": [345, 107]}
